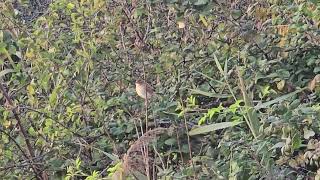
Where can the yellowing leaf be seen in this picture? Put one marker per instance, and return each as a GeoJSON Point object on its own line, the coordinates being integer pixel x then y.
{"type": "Point", "coordinates": [98, 4]}
{"type": "Point", "coordinates": [70, 6]}
{"type": "Point", "coordinates": [181, 24]}
{"type": "Point", "coordinates": [283, 30]}
{"type": "Point", "coordinates": [261, 13]}
{"type": "Point", "coordinates": [30, 90]}
{"type": "Point", "coordinates": [308, 121]}
{"type": "Point", "coordinates": [52, 50]}
{"type": "Point", "coordinates": [30, 54]}
{"type": "Point", "coordinates": [7, 123]}
{"type": "Point", "coordinates": [311, 7]}
{"type": "Point", "coordinates": [311, 85]}
{"type": "Point", "coordinates": [203, 20]}
{"type": "Point", "coordinates": [284, 54]}
{"type": "Point", "coordinates": [282, 42]}
{"type": "Point", "coordinates": [280, 85]}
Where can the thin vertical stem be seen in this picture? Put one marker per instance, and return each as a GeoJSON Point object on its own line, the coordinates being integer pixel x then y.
{"type": "Point", "coordinates": [188, 137]}
{"type": "Point", "coordinates": [31, 154]}
{"type": "Point", "coordinates": [145, 148]}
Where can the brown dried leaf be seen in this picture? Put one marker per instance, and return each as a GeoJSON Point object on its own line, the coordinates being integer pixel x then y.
{"type": "Point", "coordinates": [314, 82]}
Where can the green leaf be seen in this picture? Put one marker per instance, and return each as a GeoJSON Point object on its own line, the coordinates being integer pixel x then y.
{"type": "Point", "coordinates": [236, 13]}
{"type": "Point", "coordinates": [212, 127]}
{"type": "Point", "coordinates": [233, 108]}
{"type": "Point", "coordinates": [111, 156]}
{"type": "Point", "coordinates": [8, 154]}
{"type": "Point", "coordinates": [316, 69]}
{"type": "Point", "coordinates": [278, 145]}
{"type": "Point", "coordinates": [32, 132]}
{"type": "Point", "coordinates": [170, 141]}
{"type": "Point", "coordinates": [208, 77]}
{"type": "Point", "coordinates": [209, 94]}
{"type": "Point", "coordinates": [138, 12]}
{"type": "Point", "coordinates": [56, 164]}
{"type": "Point", "coordinates": [4, 139]}
{"type": "Point", "coordinates": [213, 111]}
{"type": "Point", "coordinates": [296, 141]}
{"type": "Point", "coordinates": [279, 99]}
{"type": "Point", "coordinates": [202, 120]}
{"type": "Point", "coordinates": [78, 163]}
{"type": "Point", "coordinates": [70, 6]}
{"type": "Point", "coordinates": [3, 47]}
{"type": "Point", "coordinates": [308, 133]}
{"type": "Point", "coordinates": [201, 2]}
{"type": "Point", "coordinates": [53, 98]}
{"type": "Point", "coordinates": [218, 63]}
{"type": "Point", "coordinates": [265, 90]}
{"type": "Point", "coordinates": [49, 122]}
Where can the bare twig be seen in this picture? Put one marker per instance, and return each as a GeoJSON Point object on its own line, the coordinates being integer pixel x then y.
{"type": "Point", "coordinates": [17, 166]}
{"type": "Point", "coordinates": [145, 148]}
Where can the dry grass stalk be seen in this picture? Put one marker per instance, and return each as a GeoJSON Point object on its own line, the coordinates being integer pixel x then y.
{"type": "Point", "coordinates": [133, 160]}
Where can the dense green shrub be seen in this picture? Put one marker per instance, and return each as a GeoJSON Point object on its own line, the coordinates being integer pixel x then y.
{"type": "Point", "coordinates": [240, 67]}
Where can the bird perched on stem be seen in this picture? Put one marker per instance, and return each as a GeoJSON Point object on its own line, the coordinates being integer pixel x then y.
{"type": "Point", "coordinates": [144, 90]}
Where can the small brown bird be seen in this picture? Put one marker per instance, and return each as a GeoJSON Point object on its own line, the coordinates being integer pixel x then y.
{"type": "Point", "coordinates": [143, 89]}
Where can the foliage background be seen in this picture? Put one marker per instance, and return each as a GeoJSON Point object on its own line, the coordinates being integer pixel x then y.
{"type": "Point", "coordinates": [69, 67]}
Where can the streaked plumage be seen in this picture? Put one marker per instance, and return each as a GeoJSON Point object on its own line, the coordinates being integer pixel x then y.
{"type": "Point", "coordinates": [143, 89]}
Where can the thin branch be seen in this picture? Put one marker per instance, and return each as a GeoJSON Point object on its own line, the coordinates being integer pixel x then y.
{"type": "Point", "coordinates": [139, 34]}
{"type": "Point", "coordinates": [179, 146]}
{"type": "Point", "coordinates": [148, 24]}
{"type": "Point", "coordinates": [23, 132]}
{"type": "Point", "coordinates": [17, 166]}
{"type": "Point", "coordinates": [19, 147]}
{"type": "Point", "coordinates": [49, 117]}
{"type": "Point", "coordinates": [188, 136]}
